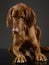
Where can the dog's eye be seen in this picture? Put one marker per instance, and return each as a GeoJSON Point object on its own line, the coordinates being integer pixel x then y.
{"type": "Point", "coordinates": [21, 17]}
{"type": "Point", "coordinates": [25, 12]}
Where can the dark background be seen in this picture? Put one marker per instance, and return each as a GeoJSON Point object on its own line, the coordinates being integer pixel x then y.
{"type": "Point", "coordinates": [41, 8]}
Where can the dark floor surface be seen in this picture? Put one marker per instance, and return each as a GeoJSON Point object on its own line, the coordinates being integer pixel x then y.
{"type": "Point", "coordinates": [6, 58]}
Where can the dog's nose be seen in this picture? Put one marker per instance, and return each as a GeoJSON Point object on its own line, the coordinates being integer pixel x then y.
{"type": "Point", "coordinates": [15, 30]}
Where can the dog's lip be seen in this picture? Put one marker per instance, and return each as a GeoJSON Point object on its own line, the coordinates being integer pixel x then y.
{"type": "Point", "coordinates": [16, 31]}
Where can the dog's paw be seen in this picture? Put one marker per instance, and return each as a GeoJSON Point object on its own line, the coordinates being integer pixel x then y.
{"type": "Point", "coordinates": [20, 59]}
{"type": "Point", "coordinates": [41, 57]}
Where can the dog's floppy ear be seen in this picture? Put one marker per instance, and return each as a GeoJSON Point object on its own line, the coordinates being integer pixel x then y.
{"type": "Point", "coordinates": [31, 17]}
{"type": "Point", "coordinates": [9, 18]}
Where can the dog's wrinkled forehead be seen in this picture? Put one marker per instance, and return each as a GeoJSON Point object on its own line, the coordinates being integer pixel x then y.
{"type": "Point", "coordinates": [19, 11]}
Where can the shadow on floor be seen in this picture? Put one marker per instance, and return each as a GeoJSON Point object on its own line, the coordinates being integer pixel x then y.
{"type": "Point", "coordinates": [6, 58]}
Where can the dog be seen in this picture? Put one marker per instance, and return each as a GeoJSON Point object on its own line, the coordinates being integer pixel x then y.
{"type": "Point", "coordinates": [22, 18]}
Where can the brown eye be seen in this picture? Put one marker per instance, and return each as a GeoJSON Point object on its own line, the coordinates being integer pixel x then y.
{"type": "Point", "coordinates": [22, 17]}
{"type": "Point", "coordinates": [25, 12]}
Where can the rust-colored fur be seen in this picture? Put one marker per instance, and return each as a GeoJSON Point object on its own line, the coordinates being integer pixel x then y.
{"type": "Point", "coordinates": [23, 20]}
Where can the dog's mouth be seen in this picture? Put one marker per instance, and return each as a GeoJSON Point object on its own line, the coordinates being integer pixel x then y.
{"type": "Point", "coordinates": [19, 34]}
{"type": "Point", "coordinates": [17, 31]}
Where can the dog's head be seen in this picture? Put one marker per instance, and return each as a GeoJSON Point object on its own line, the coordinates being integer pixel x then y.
{"type": "Point", "coordinates": [19, 15]}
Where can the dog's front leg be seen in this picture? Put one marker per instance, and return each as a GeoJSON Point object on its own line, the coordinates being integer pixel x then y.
{"type": "Point", "coordinates": [16, 46]}
{"type": "Point", "coordinates": [36, 45]}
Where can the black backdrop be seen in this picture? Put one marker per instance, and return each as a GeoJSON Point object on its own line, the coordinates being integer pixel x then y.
{"type": "Point", "coordinates": [41, 8]}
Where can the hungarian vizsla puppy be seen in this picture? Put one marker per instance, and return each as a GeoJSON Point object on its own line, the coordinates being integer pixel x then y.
{"type": "Point", "coordinates": [23, 19]}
